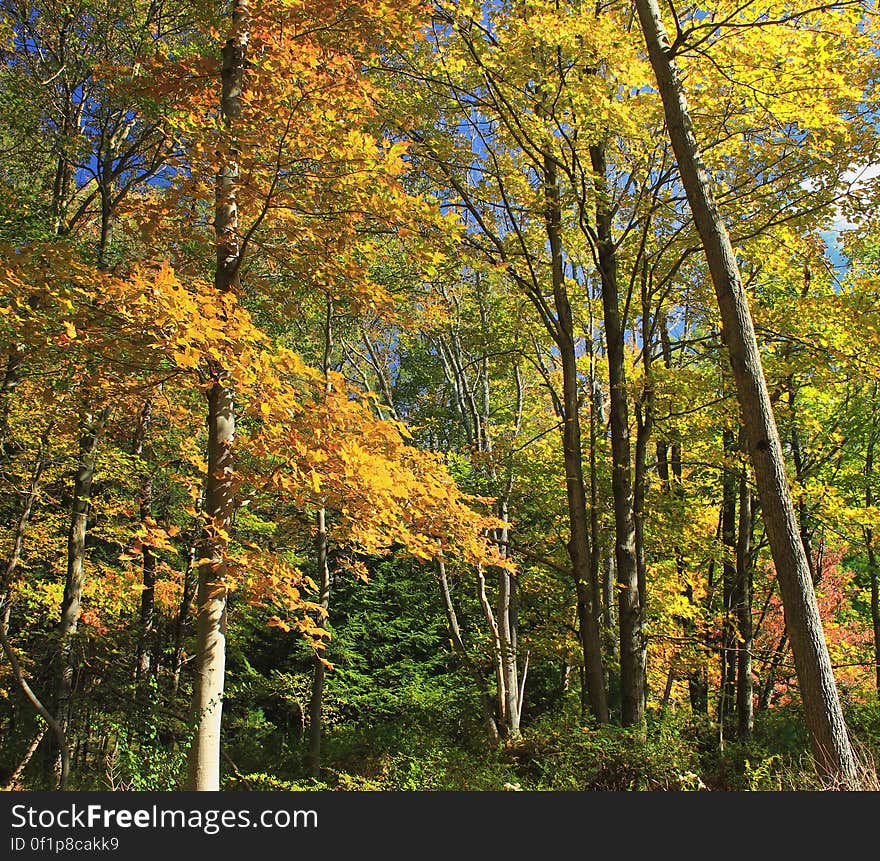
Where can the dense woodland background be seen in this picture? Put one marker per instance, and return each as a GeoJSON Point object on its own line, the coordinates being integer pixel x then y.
{"type": "Point", "coordinates": [361, 367]}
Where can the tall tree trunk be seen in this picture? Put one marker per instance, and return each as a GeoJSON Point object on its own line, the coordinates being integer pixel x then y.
{"type": "Point", "coordinates": [875, 603]}
{"type": "Point", "coordinates": [90, 432]}
{"type": "Point", "coordinates": [601, 580]}
{"type": "Point", "coordinates": [64, 171]}
{"type": "Point", "coordinates": [824, 716]}
{"type": "Point", "coordinates": [670, 473]}
{"type": "Point", "coordinates": [873, 572]}
{"type": "Point", "coordinates": [187, 595]}
{"type": "Point", "coordinates": [146, 621]}
{"type": "Point", "coordinates": [632, 663]}
{"type": "Point", "coordinates": [210, 646]}
{"type": "Point", "coordinates": [744, 698]}
{"type": "Point", "coordinates": [210, 652]}
{"type": "Point", "coordinates": [507, 606]}
{"type": "Point", "coordinates": [316, 698]}
{"type": "Point", "coordinates": [506, 615]}
{"type": "Point", "coordinates": [15, 777]}
{"type": "Point", "coordinates": [458, 645]}
{"type": "Point", "coordinates": [57, 729]}
{"type": "Point", "coordinates": [766, 696]}
{"type": "Point", "coordinates": [106, 189]}
{"type": "Point", "coordinates": [498, 664]}
{"type": "Point", "coordinates": [471, 398]}
{"type": "Point", "coordinates": [579, 548]}
{"type": "Point", "coordinates": [320, 670]}
{"type": "Point", "coordinates": [602, 559]}
{"type": "Point", "coordinates": [727, 691]}
{"type": "Point", "coordinates": [11, 377]}
{"type": "Point", "coordinates": [9, 565]}
{"type": "Point", "coordinates": [609, 626]}
{"type": "Point", "coordinates": [644, 408]}
{"type": "Point", "coordinates": [190, 584]}
{"type": "Point", "coordinates": [803, 512]}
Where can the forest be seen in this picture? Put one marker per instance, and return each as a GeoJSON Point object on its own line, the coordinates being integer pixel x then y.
{"type": "Point", "coordinates": [454, 395]}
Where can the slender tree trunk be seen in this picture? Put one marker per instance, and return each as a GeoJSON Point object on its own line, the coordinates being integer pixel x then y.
{"type": "Point", "coordinates": [698, 685]}
{"type": "Point", "coordinates": [671, 676]}
{"type": "Point", "coordinates": [90, 430]}
{"type": "Point", "coordinates": [727, 692]}
{"type": "Point", "coordinates": [579, 548]}
{"type": "Point", "coordinates": [471, 398]}
{"type": "Point", "coordinates": [146, 621]}
{"type": "Point", "coordinates": [803, 512]}
{"type": "Point", "coordinates": [609, 626]}
{"type": "Point", "coordinates": [316, 698]}
{"type": "Point", "coordinates": [873, 572]}
{"type": "Point", "coordinates": [320, 670]}
{"type": "Point", "coordinates": [506, 609]}
{"type": "Point", "coordinates": [508, 599]}
{"type": "Point", "coordinates": [105, 236]}
{"type": "Point", "coordinates": [632, 664]}
{"type": "Point", "coordinates": [770, 678]}
{"type": "Point", "coordinates": [461, 650]}
{"type": "Point", "coordinates": [210, 653]}
{"type": "Point", "coordinates": [381, 376]}
{"type": "Point", "coordinates": [824, 716]}
{"type": "Point", "coordinates": [190, 584]}
{"type": "Point", "coordinates": [9, 565]}
{"type": "Point", "coordinates": [57, 729]}
{"type": "Point", "coordinates": [644, 407]}
{"type": "Point", "coordinates": [600, 584]}
{"type": "Point", "coordinates": [64, 175]}
{"type": "Point", "coordinates": [11, 377]}
{"type": "Point", "coordinates": [506, 585]}
{"type": "Point", "coordinates": [187, 595]}
{"type": "Point", "coordinates": [14, 778]}
{"type": "Point", "coordinates": [500, 678]}
{"type": "Point", "coordinates": [744, 695]}
{"type": "Point", "coordinates": [875, 604]}
{"type": "Point", "coordinates": [670, 474]}
{"type": "Point", "coordinates": [106, 184]}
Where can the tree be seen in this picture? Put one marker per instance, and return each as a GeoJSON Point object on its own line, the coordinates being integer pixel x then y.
{"type": "Point", "coordinates": [831, 745]}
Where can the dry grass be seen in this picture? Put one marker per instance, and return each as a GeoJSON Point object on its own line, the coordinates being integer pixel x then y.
{"type": "Point", "coordinates": [808, 778]}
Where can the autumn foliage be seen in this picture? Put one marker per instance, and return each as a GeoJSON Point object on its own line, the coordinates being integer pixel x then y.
{"type": "Point", "coordinates": [420, 191]}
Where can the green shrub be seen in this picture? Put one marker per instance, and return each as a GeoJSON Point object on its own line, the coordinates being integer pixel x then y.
{"type": "Point", "coordinates": [557, 756]}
